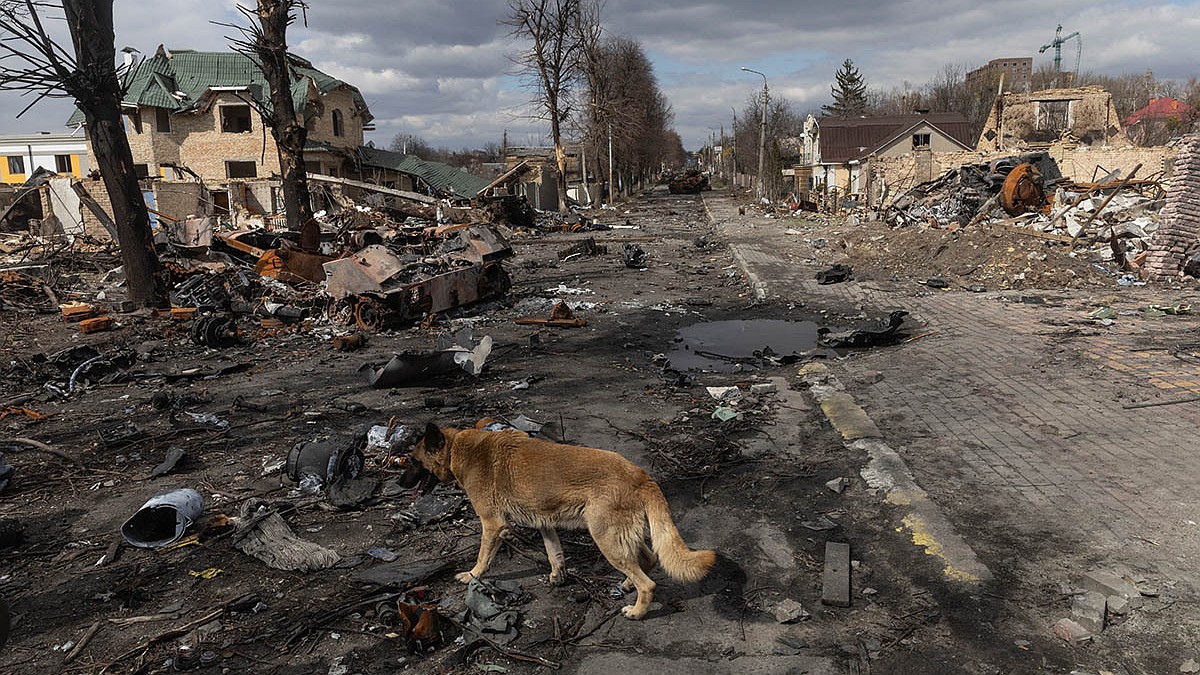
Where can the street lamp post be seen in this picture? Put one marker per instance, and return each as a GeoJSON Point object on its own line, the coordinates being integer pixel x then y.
{"type": "Point", "coordinates": [762, 134]}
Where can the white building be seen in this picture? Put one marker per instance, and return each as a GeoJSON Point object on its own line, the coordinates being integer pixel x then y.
{"type": "Point", "coordinates": [20, 156]}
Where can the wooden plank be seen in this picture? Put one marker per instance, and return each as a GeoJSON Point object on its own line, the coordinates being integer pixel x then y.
{"type": "Point", "coordinates": [835, 581]}
{"type": "Point", "coordinates": [371, 187]}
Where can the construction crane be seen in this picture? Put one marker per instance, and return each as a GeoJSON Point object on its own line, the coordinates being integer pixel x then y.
{"type": "Point", "coordinates": [1057, 43]}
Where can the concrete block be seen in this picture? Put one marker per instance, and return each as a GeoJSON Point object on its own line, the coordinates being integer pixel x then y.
{"type": "Point", "coordinates": [1087, 610]}
{"type": "Point", "coordinates": [1107, 583]}
{"type": "Point", "coordinates": [1117, 605]}
{"type": "Point", "coordinates": [763, 388]}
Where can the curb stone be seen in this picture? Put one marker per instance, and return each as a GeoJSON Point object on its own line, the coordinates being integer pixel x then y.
{"type": "Point", "coordinates": [887, 472]}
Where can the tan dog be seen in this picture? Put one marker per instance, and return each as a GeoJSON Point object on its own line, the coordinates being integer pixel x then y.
{"type": "Point", "coordinates": [511, 477]}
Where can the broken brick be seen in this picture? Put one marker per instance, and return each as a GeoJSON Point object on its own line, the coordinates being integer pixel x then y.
{"type": "Point", "coordinates": [100, 323]}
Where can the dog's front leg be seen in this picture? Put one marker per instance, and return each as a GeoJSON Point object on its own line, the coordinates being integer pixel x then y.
{"type": "Point", "coordinates": [489, 542]}
{"type": "Point", "coordinates": [554, 553]}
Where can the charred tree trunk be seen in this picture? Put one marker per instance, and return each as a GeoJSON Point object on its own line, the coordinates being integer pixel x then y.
{"type": "Point", "coordinates": [560, 158]}
{"type": "Point", "coordinates": [91, 26]}
{"type": "Point", "coordinates": [288, 131]}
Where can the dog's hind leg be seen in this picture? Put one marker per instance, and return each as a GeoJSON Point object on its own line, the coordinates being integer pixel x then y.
{"type": "Point", "coordinates": [489, 543]}
{"type": "Point", "coordinates": [620, 547]}
{"type": "Point", "coordinates": [554, 553]}
{"type": "Point", "coordinates": [647, 560]}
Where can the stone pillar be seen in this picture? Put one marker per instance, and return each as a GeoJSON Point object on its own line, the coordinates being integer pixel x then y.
{"type": "Point", "coordinates": [1179, 234]}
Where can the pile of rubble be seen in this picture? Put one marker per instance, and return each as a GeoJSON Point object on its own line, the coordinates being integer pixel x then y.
{"type": "Point", "coordinates": [375, 267]}
{"type": "Point", "coordinates": [1114, 215]}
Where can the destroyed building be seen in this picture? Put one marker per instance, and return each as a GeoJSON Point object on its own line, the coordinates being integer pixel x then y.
{"type": "Point", "coordinates": [1033, 121]}
{"type": "Point", "coordinates": [189, 114]}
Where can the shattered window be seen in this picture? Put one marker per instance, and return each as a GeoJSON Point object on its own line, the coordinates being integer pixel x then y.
{"type": "Point", "coordinates": [920, 140]}
{"type": "Point", "coordinates": [235, 119]}
{"type": "Point", "coordinates": [62, 163]}
{"type": "Point", "coordinates": [16, 164]}
{"type": "Point", "coordinates": [1053, 115]}
{"type": "Point", "coordinates": [141, 170]}
{"type": "Point", "coordinates": [337, 123]}
{"type": "Point", "coordinates": [162, 120]}
{"type": "Point", "coordinates": [241, 170]}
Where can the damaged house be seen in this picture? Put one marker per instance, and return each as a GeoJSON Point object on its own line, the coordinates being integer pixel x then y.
{"type": "Point", "coordinates": [833, 151]}
{"type": "Point", "coordinates": [202, 149]}
{"type": "Point", "coordinates": [1037, 119]}
{"type": "Point", "coordinates": [189, 114]}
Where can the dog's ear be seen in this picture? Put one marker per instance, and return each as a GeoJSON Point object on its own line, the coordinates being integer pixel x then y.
{"type": "Point", "coordinates": [433, 438]}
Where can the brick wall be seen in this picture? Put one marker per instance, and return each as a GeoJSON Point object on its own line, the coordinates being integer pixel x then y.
{"type": "Point", "coordinates": [892, 176]}
{"type": "Point", "coordinates": [91, 224]}
{"type": "Point", "coordinates": [179, 199]}
{"type": "Point", "coordinates": [1085, 164]}
{"type": "Point", "coordinates": [197, 142]}
{"type": "Point", "coordinates": [1179, 234]}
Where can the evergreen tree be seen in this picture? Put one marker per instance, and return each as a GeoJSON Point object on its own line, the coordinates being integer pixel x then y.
{"type": "Point", "coordinates": [849, 93]}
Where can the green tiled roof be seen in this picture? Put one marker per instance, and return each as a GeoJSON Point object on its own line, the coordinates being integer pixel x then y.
{"type": "Point", "coordinates": [440, 177]}
{"type": "Point", "coordinates": [178, 80]}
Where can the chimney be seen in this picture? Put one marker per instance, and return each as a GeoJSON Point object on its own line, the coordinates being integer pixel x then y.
{"type": "Point", "coordinates": [128, 57]}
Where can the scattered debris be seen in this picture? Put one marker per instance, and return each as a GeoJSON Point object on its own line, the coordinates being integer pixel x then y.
{"type": "Point", "coordinates": [835, 580]}
{"type": "Point", "coordinates": [261, 531]}
{"type": "Point", "coordinates": [835, 275]}
{"type": "Point", "coordinates": [454, 354]}
{"type": "Point", "coordinates": [163, 519]}
{"type": "Point", "coordinates": [790, 611]}
{"type": "Point", "coordinates": [886, 333]}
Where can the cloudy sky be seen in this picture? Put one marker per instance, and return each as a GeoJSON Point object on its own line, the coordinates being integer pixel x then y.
{"type": "Point", "coordinates": [439, 69]}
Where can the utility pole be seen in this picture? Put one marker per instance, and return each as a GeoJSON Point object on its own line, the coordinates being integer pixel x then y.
{"type": "Point", "coordinates": [733, 150]}
{"type": "Point", "coordinates": [762, 134]}
{"type": "Point", "coordinates": [611, 185]}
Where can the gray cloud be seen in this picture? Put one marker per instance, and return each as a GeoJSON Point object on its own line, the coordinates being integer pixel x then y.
{"type": "Point", "coordinates": [440, 70]}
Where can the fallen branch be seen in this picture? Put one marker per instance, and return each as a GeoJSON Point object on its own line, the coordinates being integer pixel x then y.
{"type": "Point", "coordinates": [166, 635]}
{"type": "Point", "coordinates": [43, 447]}
{"type": "Point", "coordinates": [83, 641]}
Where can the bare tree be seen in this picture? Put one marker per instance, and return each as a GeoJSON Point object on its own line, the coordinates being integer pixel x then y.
{"type": "Point", "coordinates": [31, 61]}
{"type": "Point", "coordinates": [626, 104]}
{"type": "Point", "coordinates": [782, 122]}
{"type": "Point", "coordinates": [265, 42]}
{"type": "Point", "coordinates": [550, 62]}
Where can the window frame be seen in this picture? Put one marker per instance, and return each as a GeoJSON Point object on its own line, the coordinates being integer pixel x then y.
{"type": "Point", "coordinates": [221, 118]}
{"type": "Point", "coordinates": [58, 164]}
{"type": "Point", "coordinates": [338, 123]}
{"type": "Point", "coordinates": [17, 161]}
{"type": "Point", "coordinates": [229, 163]}
{"type": "Point", "coordinates": [162, 115]}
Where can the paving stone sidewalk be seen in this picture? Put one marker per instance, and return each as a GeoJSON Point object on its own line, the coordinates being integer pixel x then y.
{"type": "Point", "coordinates": [1032, 425]}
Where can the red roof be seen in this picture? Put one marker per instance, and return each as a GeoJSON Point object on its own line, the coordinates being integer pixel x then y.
{"type": "Point", "coordinates": [1163, 108]}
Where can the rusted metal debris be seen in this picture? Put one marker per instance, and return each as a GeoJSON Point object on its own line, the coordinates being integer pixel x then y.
{"type": "Point", "coordinates": [561, 316]}
{"type": "Point", "coordinates": [378, 285]}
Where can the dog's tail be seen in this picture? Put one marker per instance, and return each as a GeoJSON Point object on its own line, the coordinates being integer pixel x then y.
{"type": "Point", "coordinates": [679, 561]}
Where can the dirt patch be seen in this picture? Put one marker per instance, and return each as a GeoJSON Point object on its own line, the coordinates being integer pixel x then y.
{"type": "Point", "coordinates": [985, 257]}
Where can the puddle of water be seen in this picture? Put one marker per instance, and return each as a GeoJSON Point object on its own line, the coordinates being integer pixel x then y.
{"type": "Point", "coordinates": [729, 346]}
